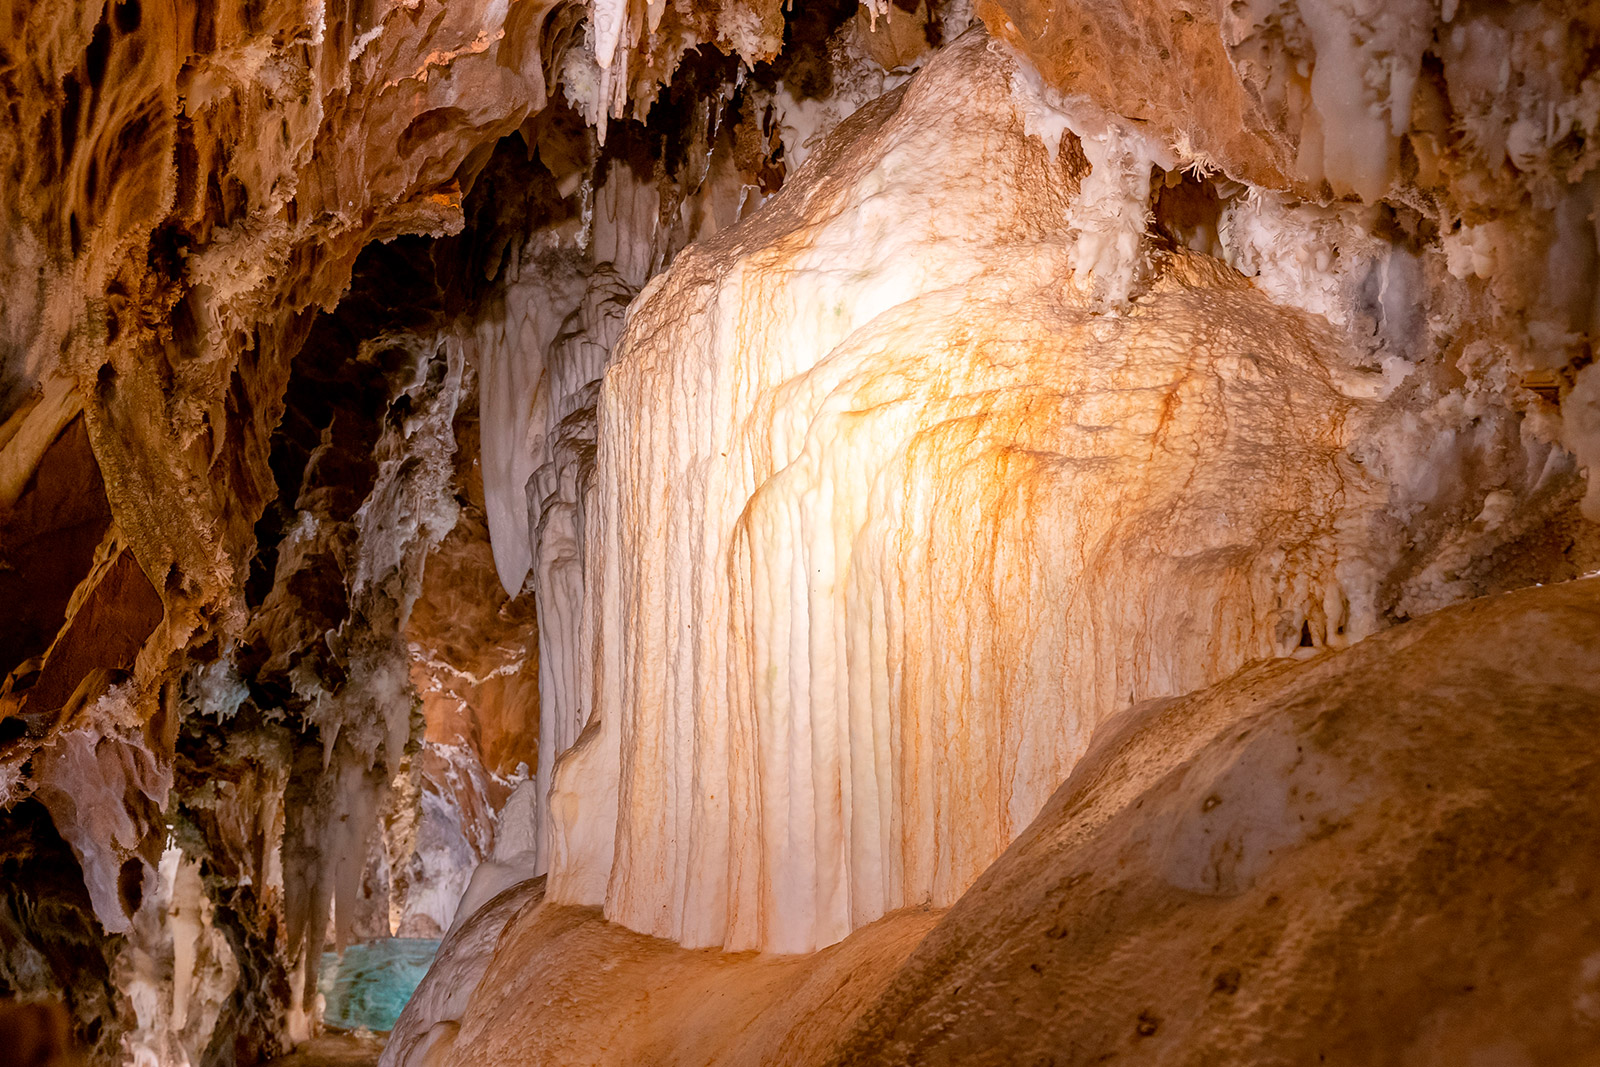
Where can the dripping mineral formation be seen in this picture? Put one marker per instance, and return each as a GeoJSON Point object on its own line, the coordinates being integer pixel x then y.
{"type": "Point", "coordinates": [814, 533]}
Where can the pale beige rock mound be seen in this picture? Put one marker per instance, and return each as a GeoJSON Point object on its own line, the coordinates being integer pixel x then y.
{"type": "Point", "coordinates": [567, 988]}
{"type": "Point", "coordinates": [1385, 856]}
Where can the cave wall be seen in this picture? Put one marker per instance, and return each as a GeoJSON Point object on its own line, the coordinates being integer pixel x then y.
{"type": "Point", "coordinates": [183, 191]}
{"type": "Point", "coordinates": [768, 442]}
{"type": "Point", "coordinates": [1478, 117]}
{"type": "Point", "coordinates": [218, 503]}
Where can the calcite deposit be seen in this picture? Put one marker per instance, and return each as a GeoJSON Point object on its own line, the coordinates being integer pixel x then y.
{"type": "Point", "coordinates": [954, 500]}
{"type": "Point", "coordinates": [662, 496]}
{"type": "Point", "coordinates": [917, 489]}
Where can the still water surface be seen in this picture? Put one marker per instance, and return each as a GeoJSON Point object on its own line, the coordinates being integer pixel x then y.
{"type": "Point", "coordinates": [373, 981]}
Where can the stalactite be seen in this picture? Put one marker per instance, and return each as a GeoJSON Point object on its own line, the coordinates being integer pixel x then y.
{"type": "Point", "coordinates": [559, 492]}
{"type": "Point", "coordinates": [366, 729]}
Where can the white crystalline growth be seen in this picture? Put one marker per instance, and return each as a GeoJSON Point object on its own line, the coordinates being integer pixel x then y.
{"type": "Point", "coordinates": [1326, 261]}
{"type": "Point", "coordinates": [542, 349]}
{"type": "Point", "coordinates": [508, 346]}
{"type": "Point", "coordinates": [366, 727]}
{"type": "Point", "coordinates": [888, 515]}
{"type": "Point", "coordinates": [515, 856]}
{"type": "Point", "coordinates": [444, 858]}
{"type": "Point", "coordinates": [1580, 416]}
{"type": "Point", "coordinates": [608, 17]}
{"type": "Point", "coordinates": [409, 510]}
{"type": "Point", "coordinates": [96, 779]}
{"type": "Point", "coordinates": [857, 79]}
{"type": "Point", "coordinates": [215, 689]}
{"type": "Point", "coordinates": [1111, 211]}
{"type": "Point", "coordinates": [1348, 70]}
{"type": "Point", "coordinates": [558, 493]}
{"type": "Point", "coordinates": [1368, 54]}
{"type": "Point", "coordinates": [10, 778]}
{"type": "Point", "coordinates": [324, 862]}
{"type": "Point", "coordinates": [176, 968]}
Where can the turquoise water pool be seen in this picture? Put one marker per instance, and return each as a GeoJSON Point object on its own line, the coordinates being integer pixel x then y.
{"type": "Point", "coordinates": [372, 983]}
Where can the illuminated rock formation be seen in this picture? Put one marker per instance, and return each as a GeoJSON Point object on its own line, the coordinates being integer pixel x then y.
{"type": "Point", "coordinates": [899, 496]}
{"type": "Point", "coordinates": [739, 457]}
{"type": "Point", "coordinates": [1482, 119]}
{"type": "Point", "coordinates": [1230, 875]}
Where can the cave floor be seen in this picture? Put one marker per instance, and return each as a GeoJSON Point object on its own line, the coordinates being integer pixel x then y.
{"type": "Point", "coordinates": [335, 1050]}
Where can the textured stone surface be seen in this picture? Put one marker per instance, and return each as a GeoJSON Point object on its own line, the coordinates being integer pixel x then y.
{"type": "Point", "coordinates": [882, 545]}
{"type": "Point", "coordinates": [175, 256]}
{"type": "Point", "coordinates": [1287, 95]}
{"type": "Point", "coordinates": [181, 192]}
{"type": "Point", "coordinates": [432, 1018]}
{"type": "Point", "coordinates": [1377, 856]}
{"type": "Point", "coordinates": [623, 998]}
{"type": "Point", "coordinates": [1477, 121]}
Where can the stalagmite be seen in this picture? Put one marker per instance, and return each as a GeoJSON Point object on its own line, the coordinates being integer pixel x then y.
{"type": "Point", "coordinates": [180, 972]}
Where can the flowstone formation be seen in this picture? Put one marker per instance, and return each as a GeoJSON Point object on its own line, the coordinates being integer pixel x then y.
{"type": "Point", "coordinates": [673, 492]}
{"type": "Point", "coordinates": [980, 453]}
{"type": "Point", "coordinates": [943, 472]}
